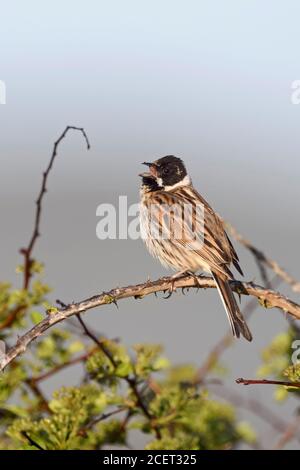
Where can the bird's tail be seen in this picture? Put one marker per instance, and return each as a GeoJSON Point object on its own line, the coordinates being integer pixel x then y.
{"type": "Point", "coordinates": [235, 317]}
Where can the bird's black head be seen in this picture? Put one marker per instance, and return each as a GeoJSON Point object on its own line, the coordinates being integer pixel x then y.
{"type": "Point", "coordinates": [165, 172]}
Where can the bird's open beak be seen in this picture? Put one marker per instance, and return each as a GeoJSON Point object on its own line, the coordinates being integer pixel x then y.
{"type": "Point", "coordinates": [152, 173]}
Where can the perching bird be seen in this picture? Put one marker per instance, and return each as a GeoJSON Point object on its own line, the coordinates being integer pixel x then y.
{"type": "Point", "coordinates": [182, 230]}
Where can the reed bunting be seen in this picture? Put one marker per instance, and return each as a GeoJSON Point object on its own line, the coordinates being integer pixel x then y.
{"type": "Point", "coordinates": [181, 229]}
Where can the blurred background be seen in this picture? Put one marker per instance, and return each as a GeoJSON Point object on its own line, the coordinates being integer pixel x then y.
{"type": "Point", "coordinates": [210, 82]}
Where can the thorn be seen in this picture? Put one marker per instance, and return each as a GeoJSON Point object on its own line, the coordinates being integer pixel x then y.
{"type": "Point", "coordinates": [139, 296]}
{"type": "Point", "coordinates": [109, 299]}
{"type": "Point", "coordinates": [168, 295]}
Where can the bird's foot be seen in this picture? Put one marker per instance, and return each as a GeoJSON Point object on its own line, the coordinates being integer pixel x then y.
{"type": "Point", "coordinates": [171, 289]}
{"type": "Point", "coordinates": [174, 278]}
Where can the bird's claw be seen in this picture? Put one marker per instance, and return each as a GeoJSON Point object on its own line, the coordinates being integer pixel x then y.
{"type": "Point", "coordinates": [168, 295]}
{"type": "Point", "coordinates": [183, 289]}
{"type": "Point", "coordinates": [171, 289]}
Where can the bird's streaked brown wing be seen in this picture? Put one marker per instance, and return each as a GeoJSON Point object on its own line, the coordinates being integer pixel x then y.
{"type": "Point", "coordinates": [208, 242]}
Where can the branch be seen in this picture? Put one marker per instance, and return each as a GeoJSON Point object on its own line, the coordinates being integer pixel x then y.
{"type": "Point", "coordinates": [31, 441]}
{"type": "Point", "coordinates": [252, 405]}
{"type": "Point", "coordinates": [267, 382]}
{"type": "Point", "coordinates": [27, 252]}
{"type": "Point", "coordinates": [99, 343]}
{"type": "Point", "coordinates": [59, 367]}
{"type": "Point", "coordinates": [220, 347]}
{"type": "Point", "coordinates": [262, 258]}
{"type": "Point", "coordinates": [267, 297]}
{"type": "Point", "coordinates": [101, 418]}
{"type": "Point", "coordinates": [131, 381]}
{"type": "Point", "coordinates": [35, 389]}
{"type": "Point", "coordinates": [226, 341]}
{"type": "Point", "coordinates": [11, 317]}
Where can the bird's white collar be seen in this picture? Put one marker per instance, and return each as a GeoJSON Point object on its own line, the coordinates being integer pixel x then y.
{"type": "Point", "coordinates": [185, 182]}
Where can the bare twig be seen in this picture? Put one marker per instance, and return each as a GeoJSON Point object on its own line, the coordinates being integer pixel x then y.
{"type": "Point", "coordinates": [35, 389]}
{"type": "Point", "coordinates": [99, 343]}
{"type": "Point", "coordinates": [27, 252]}
{"type": "Point", "coordinates": [12, 316]}
{"type": "Point", "coordinates": [267, 297]}
{"type": "Point", "coordinates": [31, 441]}
{"type": "Point", "coordinates": [253, 405]}
{"type": "Point", "coordinates": [126, 420]}
{"type": "Point", "coordinates": [262, 258]}
{"type": "Point", "coordinates": [267, 382]}
{"type": "Point", "coordinates": [131, 381]}
{"type": "Point", "coordinates": [227, 340]}
{"type": "Point", "coordinates": [59, 367]}
{"type": "Point", "coordinates": [263, 273]}
{"type": "Point", "coordinates": [212, 358]}
{"type": "Point", "coordinates": [101, 418]}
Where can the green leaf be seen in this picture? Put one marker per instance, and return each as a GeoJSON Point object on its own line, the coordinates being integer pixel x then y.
{"type": "Point", "coordinates": [75, 346]}
{"type": "Point", "coordinates": [46, 348]}
{"type": "Point", "coordinates": [123, 369]}
{"type": "Point", "coordinates": [280, 393]}
{"type": "Point", "coordinates": [246, 432]}
{"type": "Point", "coordinates": [36, 317]}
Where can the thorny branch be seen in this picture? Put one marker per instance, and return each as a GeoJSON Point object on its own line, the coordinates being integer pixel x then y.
{"type": "Point", "coordinates": [268, 298]}
{"type": "Point", "coordinates": [262, 258]}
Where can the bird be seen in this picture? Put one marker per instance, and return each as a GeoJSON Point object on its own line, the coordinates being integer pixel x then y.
{"type": "Point", "coordinates": [184, 233]}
